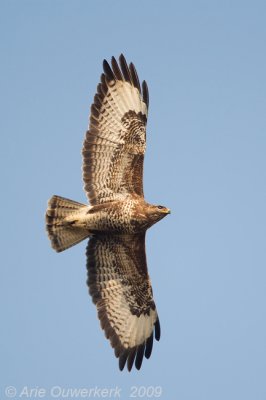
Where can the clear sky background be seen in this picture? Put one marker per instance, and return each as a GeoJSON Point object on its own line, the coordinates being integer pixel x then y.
{"type": "Point", "coordinates": [205, 64]}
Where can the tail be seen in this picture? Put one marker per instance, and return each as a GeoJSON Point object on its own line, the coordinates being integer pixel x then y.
{"type": "Point", "coordinates": [61, 231]}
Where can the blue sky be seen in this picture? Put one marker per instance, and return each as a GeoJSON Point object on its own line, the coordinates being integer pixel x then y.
{"type": "Point", "coordinates": [205, 64]}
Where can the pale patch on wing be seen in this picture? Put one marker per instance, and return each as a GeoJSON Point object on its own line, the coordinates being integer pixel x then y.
{"type": "Point", "coordinates": [116, 140]}
{"type": "Point", "coordinates": [124, 97]}
{"type": "Point", "coordinates": [120, 287]}
{"type": "Point", "coordinates": [132, 330]}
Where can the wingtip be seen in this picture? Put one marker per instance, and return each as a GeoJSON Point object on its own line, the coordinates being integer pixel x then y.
{"type": "Point", "coordinates": [108, 71]}
{"type": "Point", "coordinates": [122, 58]}
{"type": "Point", "coordinates": [145, 93]}
{"type": "Point", "coordinates": [105, 62]}
{"type": "Point", "coordinates": [149, 345]}
{"type": "Point", "coordinates": [139, 356]}
{"type": "Point", "coordinates": [131, 358]}
{"type": "Point", "coordinates": [122, 360]}
{"type": "Point", "coordinates": [157, 330]}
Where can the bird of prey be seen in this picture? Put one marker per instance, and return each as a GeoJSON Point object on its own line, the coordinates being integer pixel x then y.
{"type": "Point", "coordinates": [118, 217]}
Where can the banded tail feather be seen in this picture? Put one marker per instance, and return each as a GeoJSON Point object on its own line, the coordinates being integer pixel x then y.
{"type": "Point", "coordinates": [60, 219]}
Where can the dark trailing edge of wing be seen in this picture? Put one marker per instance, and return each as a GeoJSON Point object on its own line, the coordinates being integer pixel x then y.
{"type": "Point", "coordinates": [122, 72]}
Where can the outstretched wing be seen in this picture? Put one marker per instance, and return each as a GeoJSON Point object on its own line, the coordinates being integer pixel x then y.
{"type": "Point", "coordinates": [114, 146]}
{"type": "Point", "coordinates": [120, 287]}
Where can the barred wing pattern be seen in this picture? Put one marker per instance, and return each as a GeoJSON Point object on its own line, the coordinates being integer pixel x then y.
{"type": "Point", "coordinates": [114, 146]}
{"type": "Point", "coordinates": [120, 287]}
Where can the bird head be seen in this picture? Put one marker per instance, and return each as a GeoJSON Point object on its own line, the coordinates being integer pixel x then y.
{"type": "Point", "coordinates": [157, 212]}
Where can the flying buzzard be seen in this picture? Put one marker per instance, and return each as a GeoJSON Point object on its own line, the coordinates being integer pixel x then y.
{"type": "Point", "coordinates": [118, 217]}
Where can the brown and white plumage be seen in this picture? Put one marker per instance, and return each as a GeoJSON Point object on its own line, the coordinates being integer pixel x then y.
{"type": "Point", "coordinates": [115, 143]}
{"type": "Point", "coordinates": [117, 220]}
{"type": "Point", "coordinates": [120, 287]}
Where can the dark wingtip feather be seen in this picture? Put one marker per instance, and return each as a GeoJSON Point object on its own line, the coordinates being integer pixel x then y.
{"type": "Point", "coordinates": [123, 359]}
{"type": "Point", "coordinates": [116, 69]}
{"type": "Point", "coordinates": [157, 330]}
{"type": "Point", "coordinates": [108, 71]}
{"type": "Point", "coordinates": [149, 344]}
{"type": "Point", "coordinates": [145, 93]}
{"type": "Point", "coordinates": [124, 68]}
{"type": "Point", "coordinates": [131, 358]}
{"type": "Point", "coordinates": [139, 356]}
{"type": "Point", "coordinates": [134, 76]}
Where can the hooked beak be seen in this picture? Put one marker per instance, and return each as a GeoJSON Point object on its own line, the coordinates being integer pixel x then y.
{"type": "Point", "coordinates": [167, 211]}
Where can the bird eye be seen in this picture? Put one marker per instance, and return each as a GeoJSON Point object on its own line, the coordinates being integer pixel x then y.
{"type": "Point", "coordinates": [160, 207]}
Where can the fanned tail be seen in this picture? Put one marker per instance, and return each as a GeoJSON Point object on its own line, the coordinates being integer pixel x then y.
{"type": "Point", "coordinates": [59, 223]}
